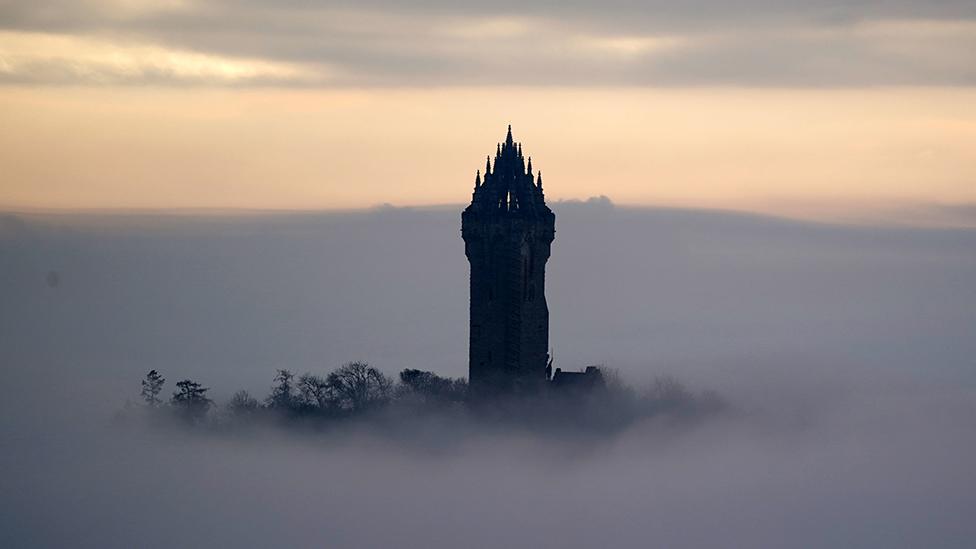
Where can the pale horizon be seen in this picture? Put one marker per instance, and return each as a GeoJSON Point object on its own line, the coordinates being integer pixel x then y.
{"type": "Point", "coordinates": [861, 155]}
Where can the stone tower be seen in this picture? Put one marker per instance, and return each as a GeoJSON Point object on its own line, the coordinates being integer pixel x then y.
{"type": "Point", "coordinates": [507, 231]}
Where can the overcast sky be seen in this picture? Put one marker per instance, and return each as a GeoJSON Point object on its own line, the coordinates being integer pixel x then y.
{"type": "Point", "coordinates": [390, 43]}
{"type": "Point", "coordinates": [787, 107]}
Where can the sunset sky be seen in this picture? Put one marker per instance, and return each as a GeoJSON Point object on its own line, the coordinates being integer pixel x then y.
{"type": "Point", "coordinates": [856, 110]}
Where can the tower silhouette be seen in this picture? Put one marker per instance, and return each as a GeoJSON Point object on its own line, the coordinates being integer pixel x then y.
{"type": "Point", "coordinates": [507, 231]}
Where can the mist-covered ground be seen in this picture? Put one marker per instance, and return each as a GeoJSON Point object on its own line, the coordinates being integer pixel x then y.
{"type": "Point", "coordinates": [848, 354]}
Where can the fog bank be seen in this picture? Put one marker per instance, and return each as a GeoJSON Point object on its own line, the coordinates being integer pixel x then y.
{"type": "Point", "coordinates": [848, 353]}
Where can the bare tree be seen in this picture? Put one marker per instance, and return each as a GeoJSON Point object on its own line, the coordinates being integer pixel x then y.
{"type": "Point", "coordinates": [358, 386]}
{"type": "Point", "coordinates": [669, 395]}
{"type": "Point", "coordinates": [151, 387]}
{"type": "Point", "coordinates": [243, 404]}
{"type": "Point", "coordinates": [616, 388]}
{"type": "Point", "coordinates": [314, 392]}
{"type": "Point", "coordinates": [430, 388]}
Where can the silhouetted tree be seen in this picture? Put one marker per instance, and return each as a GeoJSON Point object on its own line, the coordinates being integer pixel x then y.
{"type": "Point", "coordinates": [314, 392]}
{"type": "Point", "coordinates": [429, 388]}
{"type": "Point", "coordinates": [283, 393]}
{"type": "Point", "coordinates": [151, 387]}
{"type": "Point", "coordinates": [667, 394]}
{"type": "Point", "coordinates": [358, 386]}
{"type": "Point", "coordinates": [191, 400]}
{"type": "Point", "coordinates": [243, 404]}
{"type": "Point", "coordinates": [616, 389]}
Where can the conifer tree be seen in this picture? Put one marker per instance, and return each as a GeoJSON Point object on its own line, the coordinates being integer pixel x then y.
{"type": "Point", "coordinates": [151, 387]}
{"type": "Point", "coordinates": [191, 400]}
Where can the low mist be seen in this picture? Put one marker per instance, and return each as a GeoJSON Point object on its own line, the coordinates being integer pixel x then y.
{"type": "Point", "coordinates": [847, 357]}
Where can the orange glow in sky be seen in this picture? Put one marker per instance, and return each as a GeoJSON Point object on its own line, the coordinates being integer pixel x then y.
{"type": "Point", "coordinates": [780, 151]}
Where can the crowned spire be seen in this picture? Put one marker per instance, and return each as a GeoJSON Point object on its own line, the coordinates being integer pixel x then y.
{"type": "Point", "coordinates": [509, 183]}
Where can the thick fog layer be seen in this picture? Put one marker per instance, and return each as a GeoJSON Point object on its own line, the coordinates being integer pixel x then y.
{"type": "Point", "coordinates": [848, 354]}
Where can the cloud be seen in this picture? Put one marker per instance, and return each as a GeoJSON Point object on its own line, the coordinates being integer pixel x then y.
{"type": "Point", "coordinates": [57, 59]}
{"type": "Point", "coordinates": [378, 43]}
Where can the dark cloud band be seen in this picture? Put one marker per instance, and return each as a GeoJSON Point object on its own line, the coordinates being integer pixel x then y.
{"type": "Point", "coordinates": [616, 43]}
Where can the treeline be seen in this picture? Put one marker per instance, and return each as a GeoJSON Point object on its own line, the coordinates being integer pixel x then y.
{"type": "Point", "coordinates": [353, 389]}
{"type": "Point", "coordinates": [357, 389]}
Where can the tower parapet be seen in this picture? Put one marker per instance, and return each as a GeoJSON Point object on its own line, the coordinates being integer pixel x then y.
{"type": "Point", "coordinates": [507, 231]}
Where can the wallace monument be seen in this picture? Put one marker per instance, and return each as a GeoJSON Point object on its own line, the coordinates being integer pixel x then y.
{"type": "Point", "coordinates": [507, 231]}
